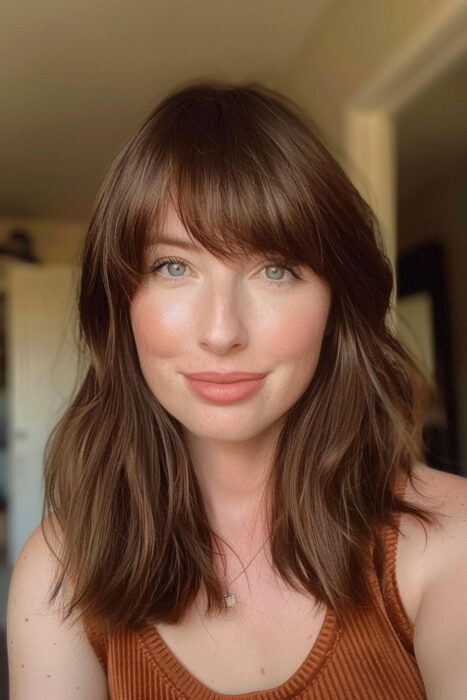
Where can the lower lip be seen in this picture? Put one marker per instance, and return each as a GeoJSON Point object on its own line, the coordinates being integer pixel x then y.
{"type": "Point", "coordinates": [225, 393]}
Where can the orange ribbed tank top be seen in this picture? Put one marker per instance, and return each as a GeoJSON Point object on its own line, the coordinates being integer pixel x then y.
{"type": "Point", "coordinates": [370, 657]}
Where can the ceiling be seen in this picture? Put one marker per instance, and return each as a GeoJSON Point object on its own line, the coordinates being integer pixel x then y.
{"type": "Point", "coordinates": [77, 78]}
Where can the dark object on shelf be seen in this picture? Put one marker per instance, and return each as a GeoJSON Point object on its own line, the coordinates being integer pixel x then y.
{"type": "Point", "coordinates": [19, 245]}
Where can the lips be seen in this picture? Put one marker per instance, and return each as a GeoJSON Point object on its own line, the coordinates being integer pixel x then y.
{"type": "Point", "coordinates": [226, 392]}
{"type": "Point", "coordinates": [225, 377]}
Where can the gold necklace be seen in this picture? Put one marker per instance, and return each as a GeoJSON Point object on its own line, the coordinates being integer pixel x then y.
{"type": "Point", "coordinates": [229, 599]}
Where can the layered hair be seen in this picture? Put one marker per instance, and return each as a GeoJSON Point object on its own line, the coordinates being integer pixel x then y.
{"type": "Point", "coordinates": [247, 172]}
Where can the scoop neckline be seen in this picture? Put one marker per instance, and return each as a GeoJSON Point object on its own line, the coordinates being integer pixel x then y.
{"type": "Point", "coordinates": [189, 686]}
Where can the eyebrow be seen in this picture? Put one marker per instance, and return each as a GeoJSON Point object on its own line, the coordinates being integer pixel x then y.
{"type": "Point", "coordinates": [178, 242]}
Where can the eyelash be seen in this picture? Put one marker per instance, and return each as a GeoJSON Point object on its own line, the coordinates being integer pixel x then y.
{"type": "Point", "coordinates": [274, 263]}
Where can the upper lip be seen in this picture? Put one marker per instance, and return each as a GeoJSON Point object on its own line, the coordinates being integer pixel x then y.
{"type": "Point", "coordinates": [225, 377]}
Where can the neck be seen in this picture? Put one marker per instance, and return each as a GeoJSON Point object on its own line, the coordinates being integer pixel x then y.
{"type": "Point", "coordinates": [234, 482]}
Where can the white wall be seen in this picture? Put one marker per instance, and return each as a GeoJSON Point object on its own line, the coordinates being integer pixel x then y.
{"type": "Point", "coordinates": [41, 371]}
{"type": "Point", "coordinates": [58, 243]}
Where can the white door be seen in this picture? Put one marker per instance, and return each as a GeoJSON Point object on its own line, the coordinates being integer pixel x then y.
{"type": "Point", "coordinates": [42, 355]}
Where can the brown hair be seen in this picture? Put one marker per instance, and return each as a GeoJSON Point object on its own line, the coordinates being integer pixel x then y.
{"type": "Point", "coordinates": [246, 172]}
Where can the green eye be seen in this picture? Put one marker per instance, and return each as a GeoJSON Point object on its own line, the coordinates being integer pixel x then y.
{"type": "Point", "coordinates": [167, 261]}
{"type": "Point", "coordinates": [274, 267]}
{"type": "Point", "coordinates": [271, 265]}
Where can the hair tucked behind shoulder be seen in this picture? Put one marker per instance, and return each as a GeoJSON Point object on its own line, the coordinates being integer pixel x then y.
{"type": "Point", "coordinates": [247, 172]}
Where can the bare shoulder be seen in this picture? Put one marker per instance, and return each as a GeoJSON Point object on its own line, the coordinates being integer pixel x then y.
{"type": "Point", "coordinates": [445, 493]}
{"type": "Point", "coordinates": [440, 630]}
{"type": "Point", "coordinates": [442, 493]}
{"type": "Point", "coordinates": [47, 656]}
{"type": "Point", "coordinates": [432, 486]}
{"type": "Point", "coordinates": [424, 552]}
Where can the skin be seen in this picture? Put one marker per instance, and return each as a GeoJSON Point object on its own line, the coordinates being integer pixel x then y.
{"type": "Point", "coordinates": [215, 317]}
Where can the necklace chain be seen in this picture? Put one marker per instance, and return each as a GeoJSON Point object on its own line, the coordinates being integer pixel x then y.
{"type": "Point", "coordinates": [246, 567]}
{"type": "Point", "coordinates": [229, 598]}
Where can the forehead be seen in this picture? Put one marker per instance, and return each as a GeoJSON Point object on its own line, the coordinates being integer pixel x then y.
{"type": "Point", "coordinates": [226, 245]}
{"type": "Point", "coordinates": [174, 232]}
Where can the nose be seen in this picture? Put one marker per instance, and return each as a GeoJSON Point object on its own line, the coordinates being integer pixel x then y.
{"type": "Point", "coordinates": [223, 317]}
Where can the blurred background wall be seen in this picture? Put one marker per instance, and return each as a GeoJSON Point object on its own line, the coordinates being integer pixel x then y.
{"type": "Point", "coordinates": [384, 81]}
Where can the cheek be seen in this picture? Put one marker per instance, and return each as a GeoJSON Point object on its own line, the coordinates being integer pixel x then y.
{"type": "Point", "coordinates": [299, 332]}
{"type": "Point", "coordinates": [157, 330]}
{"type": "Point", "coordinates": [298, 353]}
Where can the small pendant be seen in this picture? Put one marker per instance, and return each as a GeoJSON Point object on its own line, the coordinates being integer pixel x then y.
{"type": "Point", "coordinates": [230, 600]}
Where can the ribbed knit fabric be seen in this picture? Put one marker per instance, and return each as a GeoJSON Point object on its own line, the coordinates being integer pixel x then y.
{"type": "Point", "coordinates": [369, 657]}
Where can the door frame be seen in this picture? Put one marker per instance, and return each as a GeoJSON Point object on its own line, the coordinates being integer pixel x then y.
{"type": "Point", "coordinates": [370, 114]}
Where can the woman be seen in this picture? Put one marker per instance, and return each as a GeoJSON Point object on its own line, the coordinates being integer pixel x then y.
{"type": "Point", "coordinates": [225, 535]}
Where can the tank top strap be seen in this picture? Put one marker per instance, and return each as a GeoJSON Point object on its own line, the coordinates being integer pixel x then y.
{"type": "Point", "coordinates": [390, 590]}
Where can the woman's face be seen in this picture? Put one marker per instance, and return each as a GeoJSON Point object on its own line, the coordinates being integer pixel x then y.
{"type": "Point", "coordinates": [205, 315]}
